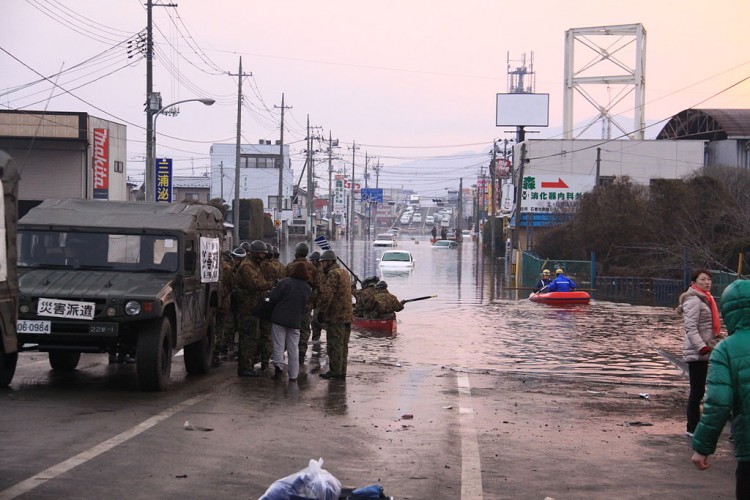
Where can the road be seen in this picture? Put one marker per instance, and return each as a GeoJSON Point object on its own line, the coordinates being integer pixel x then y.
{"type": "Point", "coordinates": [423, 431]}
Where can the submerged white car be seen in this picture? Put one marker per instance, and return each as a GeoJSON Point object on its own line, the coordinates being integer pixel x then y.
{"type": "Point", "coordinates": [396, 259]}
{"type": "Point", "coordinates": [385, 240]}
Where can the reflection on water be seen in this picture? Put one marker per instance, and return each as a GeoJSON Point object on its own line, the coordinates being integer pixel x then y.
{"type": "Point", "coordinates": [475, 324]}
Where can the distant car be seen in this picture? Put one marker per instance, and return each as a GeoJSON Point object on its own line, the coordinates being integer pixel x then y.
{"type": "Point", "coordinates": [446, 222]}
{"type": "Point", "coordinates": [445, 244]}
{"type": "Point", "coordinates": [429, 220]}
{"type": "Point", "coordinates": [466, 234]}
{"type": "Point", "coordinates": [396, 259]}
{"type": "Point", "coordinates": [405, 220]}
{"type": "Point", "coordinates": [438, 217]}
{"type": "Point", "coordinates": [417, 217]}
{"type": "Point", "coordinates": [394, 230]}
{"type": "Point", "coordinates": [385, 240]}
{"type": "Point", "coordinates": [451, 234]}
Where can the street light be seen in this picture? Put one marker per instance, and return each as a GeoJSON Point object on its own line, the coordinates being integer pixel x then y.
{"type": "Point", "coordinates": [150, 180]}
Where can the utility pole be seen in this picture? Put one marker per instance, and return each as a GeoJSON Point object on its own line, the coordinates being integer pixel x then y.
{"type": "Point", "coordinates": [237, 156]}
{"type": "Point", "coordinates": [280, 199]}
{"type": "Point", "coordinates": [350, 224]}
{"type": "Point", "coordinates": [519, 194]}
{"type": "Point", "coordinates": [494, 195]}
{"type": "Point", "coordinates": [377, 168]}
{"type": "Point", "coordinates": [310, 197]}
{"type": "Point", "coordinates": [221, 176]}
{"type": "Point", "coordinates": [149, 177]}
{"type": "Point", "coordinates": [330, 189]}
{"type": "Point", "coordinates": [598, 165]}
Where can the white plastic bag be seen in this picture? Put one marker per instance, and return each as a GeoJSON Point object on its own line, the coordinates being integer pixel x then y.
{"type": "Point", "coordinates": [313, 482]}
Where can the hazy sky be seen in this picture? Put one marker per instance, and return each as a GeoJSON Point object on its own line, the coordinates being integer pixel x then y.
{"type": "Point", "coordinates": [405, 79]}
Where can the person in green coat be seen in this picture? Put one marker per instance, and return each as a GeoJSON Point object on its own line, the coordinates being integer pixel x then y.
{"type": "Point", "coordinates": [728, 387]}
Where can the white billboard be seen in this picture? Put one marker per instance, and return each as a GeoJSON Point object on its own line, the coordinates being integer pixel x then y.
{"type": "Point", "coordinates": [522, 110]}
{"type": "Point", "coordinates": [549, 192]}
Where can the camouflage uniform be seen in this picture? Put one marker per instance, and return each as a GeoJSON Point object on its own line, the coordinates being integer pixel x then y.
{"type": "Point", "coordinates": [315, 326]}
{"type": "Point", "coordinates": [250, 284]}
{"type": "Point", "coordinates": [315, 283]}
{"type": "Point", "coordinates": [225, 317]}
{"type": "Point", "coordinates": [363, 297]}
{"type": "Point", "coordinates": [271, 274]}
{"type": "Point", "coordinates": [382, 304]}
{"type": "Point", "coordinates": [335, 305]}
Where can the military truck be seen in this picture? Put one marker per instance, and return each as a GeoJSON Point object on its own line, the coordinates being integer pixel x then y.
{"type": "Point", "coordinates": [120, 277]}
{"type": "Point", "coordinates": [8, 277]}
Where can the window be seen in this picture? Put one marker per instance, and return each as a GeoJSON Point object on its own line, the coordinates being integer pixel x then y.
{"type": "Point", "coordinates": [248, 161]}
{"type": "Point", "coordinates": [192, 197]}
{"type": "Point", "coordinates": [118, 166]}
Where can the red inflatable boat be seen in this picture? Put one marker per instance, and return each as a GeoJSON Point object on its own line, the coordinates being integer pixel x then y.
{"type": "Point", "coordinates": [561, 297]}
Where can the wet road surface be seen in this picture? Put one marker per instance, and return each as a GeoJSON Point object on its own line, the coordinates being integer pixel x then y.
{"type": "Point", "coordinates": [508, 399]}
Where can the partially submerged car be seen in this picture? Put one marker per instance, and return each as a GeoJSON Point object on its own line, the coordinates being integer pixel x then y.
{"type": "Point", "coordinates": [385, 240]}
{"type": "Point", "coordinates": [445, 244]}
{"type": "Point", "coordinates": [396, 259]}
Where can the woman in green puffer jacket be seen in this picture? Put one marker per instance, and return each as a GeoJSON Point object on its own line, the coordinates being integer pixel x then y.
{"type": "Point", "coordinates": [728, 387]}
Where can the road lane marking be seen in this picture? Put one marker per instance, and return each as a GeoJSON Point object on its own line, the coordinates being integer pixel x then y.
{"type": "Point", "coordinates": [46, 475]}
{"type": "Point", "coordinates": [471, 464]}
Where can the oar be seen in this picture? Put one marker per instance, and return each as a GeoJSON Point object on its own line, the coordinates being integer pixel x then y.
{"type": "Point", "coordinates": [322, 242]}
{"type": "Point", "coordinates": [540, 291]}
{"type": "Point", "coordinates": [419, 298]}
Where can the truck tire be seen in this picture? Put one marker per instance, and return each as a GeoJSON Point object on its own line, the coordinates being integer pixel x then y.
{"type": "Point", "coordinates": [7, 367]}
{"type": "Point", "coordinates": [154, 357]}
{"type": "Point", "coordinates": [200, 354]}
{"type": "Point", "coordinates": [64, 361]}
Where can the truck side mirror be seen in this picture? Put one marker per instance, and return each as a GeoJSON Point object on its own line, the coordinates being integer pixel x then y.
{"type": "Point", "coordinates": [190, 261]}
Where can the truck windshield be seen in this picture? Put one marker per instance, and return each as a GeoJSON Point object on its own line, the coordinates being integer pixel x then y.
{"type": "Point", "coordinates": [89, 250]}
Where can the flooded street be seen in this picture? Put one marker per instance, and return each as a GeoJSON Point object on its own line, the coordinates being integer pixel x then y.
{"type": "Point", "coordinates": [474, 324]}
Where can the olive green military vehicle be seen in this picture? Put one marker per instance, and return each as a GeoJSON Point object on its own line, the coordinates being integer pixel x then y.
{"type": "Point", "coordinates": [8, 278]}
{"type": "Point", "coordinates": [120, 277]}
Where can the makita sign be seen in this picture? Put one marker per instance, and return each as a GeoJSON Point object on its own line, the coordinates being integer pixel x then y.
{"type": "Point", "coordinates": [101, 163]}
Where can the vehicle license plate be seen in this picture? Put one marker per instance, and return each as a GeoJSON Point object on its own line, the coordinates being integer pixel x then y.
{"type": "Point", "coordinates": [103, 329]}
{"type": "Point", "coordinates": [31, 326]}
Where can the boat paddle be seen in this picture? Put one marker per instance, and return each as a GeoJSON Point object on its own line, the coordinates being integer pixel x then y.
{"type": "Point", "coordinates": [419, 298]}
{"type": "Point", "coordinates": [322, 242]}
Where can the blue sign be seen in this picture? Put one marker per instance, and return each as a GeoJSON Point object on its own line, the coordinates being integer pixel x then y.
{"type": "Point", "coordinates": [374, 195]}
{"type": "Point", "coordinates": [163, 191]}
{"type": "Point", "coordinates": [322, 242]}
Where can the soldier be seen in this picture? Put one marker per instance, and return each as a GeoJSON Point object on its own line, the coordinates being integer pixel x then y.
{"type": "Point", "coordinates": [225, 315]}
{"type": "Point", "coordinates": [335, 305]}
{"type": "Point", "coordinates": [315, 326]}
{"type": "Point", "coordinates": [249, 280]}
{"type": "Point", "coordinates": [300, 254]}
{"type": "Point", "coordinates": [382, 304]}
{"type": "Point", "coordinates": [362, 295]}
{"type": "Point", "coordinates": [281, 268]}
{"type": "Point", "coordinates": [272, 274]}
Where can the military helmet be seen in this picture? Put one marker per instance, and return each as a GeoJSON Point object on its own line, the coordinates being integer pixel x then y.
{"type": "Point", "coordinates": [269, 249]}
{"type": "Point", "coordinates": [239, 253]}
{"type": "Point", "coordinates": [276, 252]}
{"type": "Point", "coordinates": [381, 284]}
{"type": "Point", "coordinates": [245, 245]}
{"type": "Point", "coordinates": [371, 281]}
{"type": "Point", "coordinates": [315, 256]}
{"type": "Point", "coordinates": [327, 255]}
{"type": "Point", "coordinates": [257, 246]}
{"type": "Point", "coordinates": [301, 249]}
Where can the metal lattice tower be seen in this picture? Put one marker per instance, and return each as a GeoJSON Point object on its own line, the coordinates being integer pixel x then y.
{"type": "Point", "coordinates": [606, 68]}
{"type": "Point", "coordinates": [521, 76]}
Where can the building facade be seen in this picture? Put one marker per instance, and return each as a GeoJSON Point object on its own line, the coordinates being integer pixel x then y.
{"type": "Point", "coordinates": [258, 172]}
{"type": "Point", "coordinates": [65, 155]}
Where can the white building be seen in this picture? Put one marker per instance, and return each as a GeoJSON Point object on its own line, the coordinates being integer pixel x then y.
{"type": "Point", "coordinates": [259, 174]}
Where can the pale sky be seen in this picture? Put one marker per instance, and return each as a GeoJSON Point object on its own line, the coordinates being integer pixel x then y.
{"type": "Point", "coordinates": [405, 79]}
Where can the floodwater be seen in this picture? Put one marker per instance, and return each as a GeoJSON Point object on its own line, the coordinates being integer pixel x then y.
{"type": "Point", "coordinates": [476, 324]}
